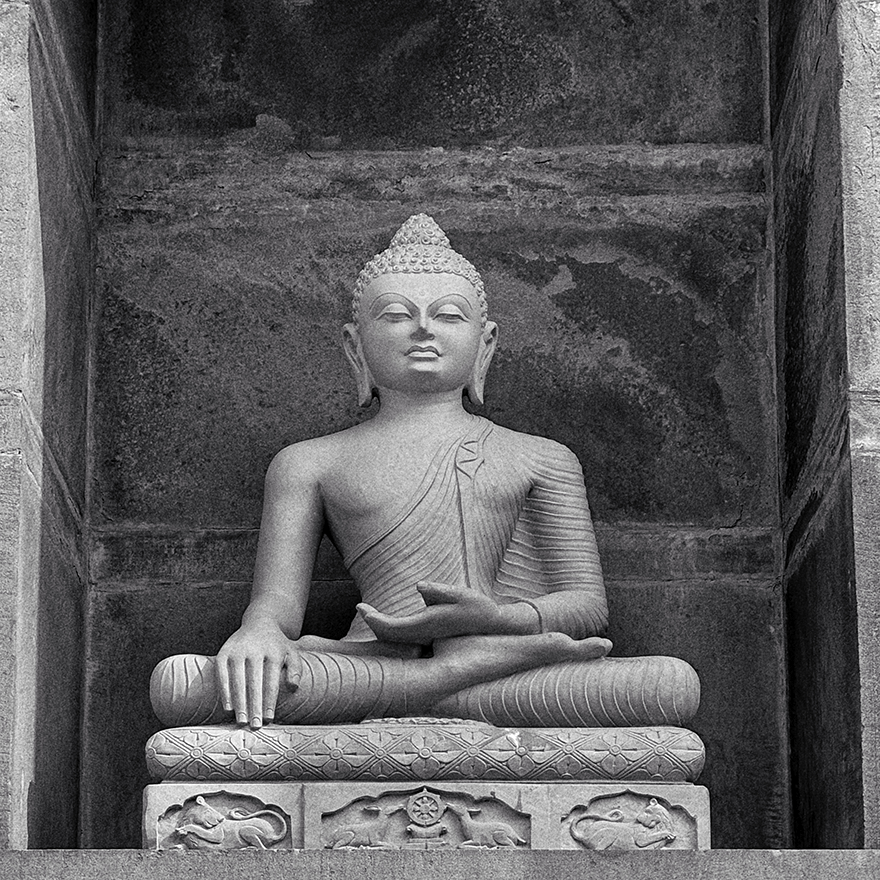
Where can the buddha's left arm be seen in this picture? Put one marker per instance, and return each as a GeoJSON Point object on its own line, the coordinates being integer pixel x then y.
{"type": "Point", "coordinates": [552, 562]}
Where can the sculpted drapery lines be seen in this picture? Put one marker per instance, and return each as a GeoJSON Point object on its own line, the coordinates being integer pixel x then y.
{"type": "Point", "coordinates": [471, 544]}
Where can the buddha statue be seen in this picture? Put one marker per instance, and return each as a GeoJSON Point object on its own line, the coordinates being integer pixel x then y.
{"type": "Point", "coordinates": [471, 545]}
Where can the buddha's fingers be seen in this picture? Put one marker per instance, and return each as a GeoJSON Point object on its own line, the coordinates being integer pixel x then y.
{"type": "Point", "coordinates": [387, 627]}
{"type": "Point", "coordinates": [254, 699]}
{"type": "Point", "coordinates": [238, 681]}
{"type": "Point", "coordinates": [293, 670]}
{"type": "Point", "coordinates": [592, 648]}
{"type": "Point", "coordinates": [421, 628]}
{"type": "Point", "coordinates": [271, 683]}
{"type": "Point", "coordinates": [223, 681]}
{"type": "Point", "coordinates": [435, 593]}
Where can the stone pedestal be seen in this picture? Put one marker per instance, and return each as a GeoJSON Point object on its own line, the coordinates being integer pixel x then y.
{"type": "Point", "coordinates": [425, 784]}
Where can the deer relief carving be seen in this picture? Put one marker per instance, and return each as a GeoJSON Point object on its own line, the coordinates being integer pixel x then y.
{"type": "Point", "coordinates": [372, 832]}
{"type": "Point", "coordinates": [650, 828]}
{"type": "Point", "coordinates": [482, 833]}
{"type": "Point", "coordinates": [203, 827]}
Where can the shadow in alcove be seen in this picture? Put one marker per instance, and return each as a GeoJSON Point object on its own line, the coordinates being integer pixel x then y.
{"type": "Point", "coordinates": [62, 53]}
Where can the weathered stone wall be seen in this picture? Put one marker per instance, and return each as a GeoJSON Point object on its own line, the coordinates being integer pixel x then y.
{"type": "Point", "coordinates": [628, 281]}
{"type": "Point", "coordinates": [817, 474]}
{"type": "Point", "coordinates": [46, 226]}
{"type": "Point", "coordinates": [859, 35]}
{"type": "Point", "coordinates": [392, 73]}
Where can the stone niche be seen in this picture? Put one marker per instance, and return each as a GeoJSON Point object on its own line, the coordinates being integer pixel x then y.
{"type": "Point", "coordinates": [602, 164]}
{"type": "Point", "coordinates": [628, 282]}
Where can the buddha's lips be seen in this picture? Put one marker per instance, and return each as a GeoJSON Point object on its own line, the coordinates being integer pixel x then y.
{"type": "Point", "coordinates": [423, 349]}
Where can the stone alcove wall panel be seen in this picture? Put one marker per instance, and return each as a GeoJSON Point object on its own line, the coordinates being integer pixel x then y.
{"type": "Point", "coordinates": [634, 330]}
{"type": "Point", "coordinates": [225, 274]}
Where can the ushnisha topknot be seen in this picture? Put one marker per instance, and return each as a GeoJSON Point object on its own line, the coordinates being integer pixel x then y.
{"type": "Point", "coordinates": [420, 245]}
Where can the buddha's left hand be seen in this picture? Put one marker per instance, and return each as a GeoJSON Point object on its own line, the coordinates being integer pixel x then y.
{"type": "Point", "coordinates": [451, 611]}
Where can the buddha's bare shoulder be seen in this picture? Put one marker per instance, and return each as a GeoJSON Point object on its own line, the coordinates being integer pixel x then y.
{"type": "Point", "coordinates": [535, 451]}
{"type": "Point", "coordinates": [309, 461]}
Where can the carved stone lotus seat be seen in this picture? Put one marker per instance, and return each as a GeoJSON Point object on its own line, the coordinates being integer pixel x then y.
{"type": "Point", "coordinates": [421, 783]}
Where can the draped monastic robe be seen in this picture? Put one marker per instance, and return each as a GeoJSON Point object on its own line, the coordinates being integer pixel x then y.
{"type": "Point", "coordinates": [497, 512]}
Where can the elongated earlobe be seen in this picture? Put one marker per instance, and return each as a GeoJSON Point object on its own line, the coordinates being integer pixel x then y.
{"type": "Point", "coordinates": [477, 380]}
{"type": "Point", "coordinates": [351, 342]}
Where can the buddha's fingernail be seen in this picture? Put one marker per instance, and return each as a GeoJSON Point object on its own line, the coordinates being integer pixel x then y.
{"type": "Point", "coordinates": [227, 706]}
{"type": "Point", "coordinates": [241, 718]}
{"type": "Point", "coordinates": [256, 722]}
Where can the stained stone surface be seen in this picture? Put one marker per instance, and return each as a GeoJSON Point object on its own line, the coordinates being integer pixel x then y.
{"type": "Point", "coordinates": [401, 73]}
{"type": "Point", "coordinates": [433, 817]}
{"type": "Point", "coordinates": [423, 749]}
{"type": "Point", "coordinates": [632, 330]}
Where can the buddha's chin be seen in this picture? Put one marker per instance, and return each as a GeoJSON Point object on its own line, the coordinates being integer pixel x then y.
{"type": "Point", "coordinates": [421, 382]}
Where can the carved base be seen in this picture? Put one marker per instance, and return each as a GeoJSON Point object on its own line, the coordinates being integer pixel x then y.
{"type": "Point", "coordinates": [417, 749]}
{"type": "Point", "coordinates": [609, 815]}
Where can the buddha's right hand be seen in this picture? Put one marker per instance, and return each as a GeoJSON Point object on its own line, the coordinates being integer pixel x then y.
{"type": "Point", "coordinates": [249, 669]}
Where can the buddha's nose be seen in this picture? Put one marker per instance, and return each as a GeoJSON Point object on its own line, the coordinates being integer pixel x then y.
{"type": "Point", "coordinates": [422, 331]}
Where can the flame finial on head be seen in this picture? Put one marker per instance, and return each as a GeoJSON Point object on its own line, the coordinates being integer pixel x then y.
{"type": "Point", "coordinates": [420, 245]}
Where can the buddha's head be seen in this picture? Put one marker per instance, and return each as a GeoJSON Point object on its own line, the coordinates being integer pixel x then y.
{"type": "Point", "coordinates": [419, 320]}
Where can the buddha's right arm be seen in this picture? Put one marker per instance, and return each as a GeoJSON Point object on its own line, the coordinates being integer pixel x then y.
{"type": "Point", "coordinates": [252, 659]}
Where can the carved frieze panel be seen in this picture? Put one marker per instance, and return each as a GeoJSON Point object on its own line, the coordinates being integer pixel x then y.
{"type": "Point", "coordinates": [426, 818]}
{"type": "Point", "coordinates": [417, 750]}
{"type": "Point", "coordinates": [223, 820]}
{"type": "Point", "coordinates": [631, 821]}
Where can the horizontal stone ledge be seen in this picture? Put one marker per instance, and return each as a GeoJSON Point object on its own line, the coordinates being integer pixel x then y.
{"type": "Point", "coordinates": [458, 865]}
{"type": "Point", "coordinates": [148, 167]}
{"type": "Point", "coordinates": [165, 555]}
{"type": "Point", "coordinates": [198, 208]}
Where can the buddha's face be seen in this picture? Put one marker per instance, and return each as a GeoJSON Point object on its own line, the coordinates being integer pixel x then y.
{"type": "Point", "coordinates": [421, 332]}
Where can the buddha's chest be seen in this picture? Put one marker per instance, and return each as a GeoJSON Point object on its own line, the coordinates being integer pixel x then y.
{"type": "Point", "coordinates": [439, 491]}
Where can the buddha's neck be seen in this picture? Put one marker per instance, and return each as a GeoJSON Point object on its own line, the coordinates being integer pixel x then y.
{"type": "Point", "coordinates": [399, 408]}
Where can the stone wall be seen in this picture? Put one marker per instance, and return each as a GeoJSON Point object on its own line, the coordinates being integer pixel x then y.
{"type": "Point", "coordinates": [403, 73]}
{"type": "Point", "coordinates": [859, 35]}
{"type": "Point", "coordinates": [46, 228]}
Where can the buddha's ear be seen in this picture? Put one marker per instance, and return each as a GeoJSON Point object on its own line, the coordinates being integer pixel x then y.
{"type": "Point", "coordinates": [351, 342]}
{"type": "Point", "coordinates": [477, 380]}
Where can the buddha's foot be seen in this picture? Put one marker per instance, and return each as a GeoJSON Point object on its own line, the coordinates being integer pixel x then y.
{"type": "Point", "coordinates": [184, 690]}
{"type": "Point", "coordinates": [612, 692]}
{"type": "Point", "coordinates": [480, 658]}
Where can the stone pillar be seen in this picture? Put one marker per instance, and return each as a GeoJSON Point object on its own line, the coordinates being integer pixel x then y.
{"type": "Point", "coordinates": [21, 331]}
{"type": "Point", "coordinates": [825, 116]}
{"type": "Point", "coordinates": [859, 35]}
{"type": "Point", "coordinates": [46, 267]}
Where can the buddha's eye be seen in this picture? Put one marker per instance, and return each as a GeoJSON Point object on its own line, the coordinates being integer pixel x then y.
{"type": "Point", "coordinates": [394, 314]}
{"type": "Point", "coordinates": [450, 316]}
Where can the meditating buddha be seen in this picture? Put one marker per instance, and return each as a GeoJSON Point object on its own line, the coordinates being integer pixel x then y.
{"type": "Point", "coordinates": [471, 545]}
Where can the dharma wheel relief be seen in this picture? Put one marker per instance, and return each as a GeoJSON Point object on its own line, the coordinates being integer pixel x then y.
{"type": "Point", "coordinates": [425, 819]}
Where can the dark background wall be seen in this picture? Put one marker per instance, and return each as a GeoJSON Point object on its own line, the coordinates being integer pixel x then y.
{"type": "Point", "coordinates": [821, 610]}
{"type": "Point", "coordinates": [599, 162]}
{"type": "Point", "coordinates": [392, 73]}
